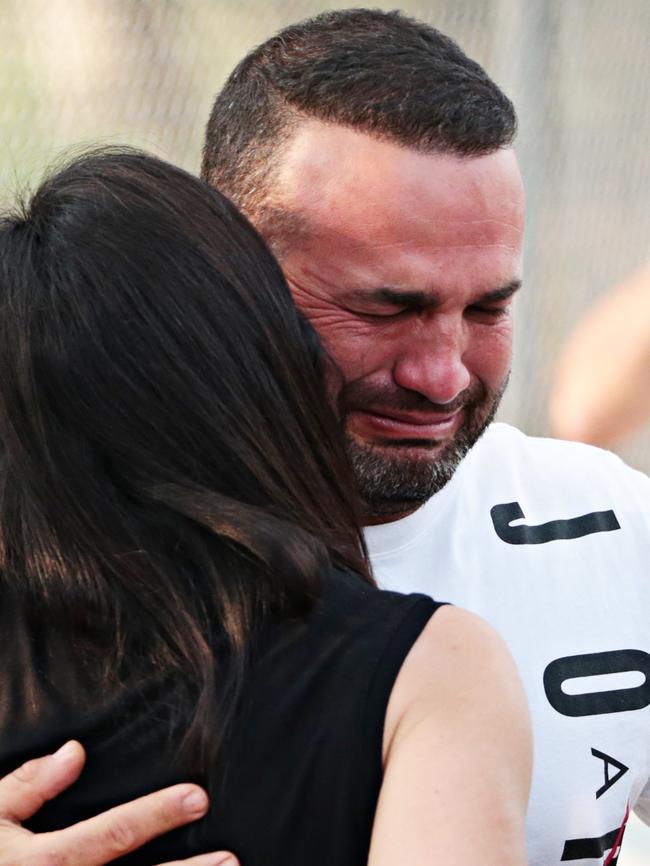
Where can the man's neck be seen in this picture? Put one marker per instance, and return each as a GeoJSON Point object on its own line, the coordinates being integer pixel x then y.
{"type": "Point", "coordinates": [379, 519]}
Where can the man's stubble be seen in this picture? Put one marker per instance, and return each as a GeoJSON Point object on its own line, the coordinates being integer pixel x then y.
{"type": "Point", "coordinates": [395, 481]}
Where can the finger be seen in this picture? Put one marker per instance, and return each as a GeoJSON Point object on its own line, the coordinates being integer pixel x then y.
{"type": "Point", "coordinates": [124, 828]}
{"type": "Point", "coordinates": [23, 792]}
{"type": "Point", "coordinates": [220, 858]}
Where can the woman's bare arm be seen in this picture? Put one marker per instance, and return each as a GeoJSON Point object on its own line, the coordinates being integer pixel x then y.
{"type": "Point", "coordinates": [457, 752]}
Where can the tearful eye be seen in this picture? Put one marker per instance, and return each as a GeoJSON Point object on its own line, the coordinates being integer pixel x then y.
{"type": "Point", "coordinates": [490, 312]}
{"type": "Point", "coordinates": [384, 316]}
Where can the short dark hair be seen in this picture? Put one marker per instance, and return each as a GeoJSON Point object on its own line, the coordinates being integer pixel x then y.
{"type": "Point", "coordinates": [170, 467]}
{"type": "Point", "coordinates": [377, 72]}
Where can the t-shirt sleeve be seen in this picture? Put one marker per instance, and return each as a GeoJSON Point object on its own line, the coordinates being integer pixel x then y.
{"type": "Point", "coordinates": [403, 629]}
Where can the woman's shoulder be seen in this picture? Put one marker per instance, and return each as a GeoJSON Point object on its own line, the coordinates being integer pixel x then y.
{"type": "Point", "coordinates": [457, 662]}
{"type": "Point", "coordinates": [455, 651]}
{"type": "Point", "coordinates": [354, 638]}
{"type": "Point", "coordinates": [348, 597]}
{"type": "Point", "coordinates": [456, 731]}
{"type": "Point", "coordinates": [364, 621]}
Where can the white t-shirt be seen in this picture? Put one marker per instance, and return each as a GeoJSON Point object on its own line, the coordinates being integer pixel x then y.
{"type": "Point", "coordinates": [550, 542]}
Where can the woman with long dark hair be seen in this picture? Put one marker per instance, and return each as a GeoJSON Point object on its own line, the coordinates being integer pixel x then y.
{"type": "Point", "coordinates": [183, 579]}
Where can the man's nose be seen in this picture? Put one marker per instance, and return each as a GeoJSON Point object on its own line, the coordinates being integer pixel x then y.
{"type": "Point", "coordinates": [432, 364]}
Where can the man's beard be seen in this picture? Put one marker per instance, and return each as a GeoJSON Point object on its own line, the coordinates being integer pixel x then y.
{"type": "Point", "coordinates": [391, 479]}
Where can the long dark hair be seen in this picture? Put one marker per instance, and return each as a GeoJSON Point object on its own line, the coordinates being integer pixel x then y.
{"type": "Point", "coordinates": [171, 471]}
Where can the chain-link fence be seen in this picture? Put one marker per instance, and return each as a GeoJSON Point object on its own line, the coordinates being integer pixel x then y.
{"type": "Point", "coordinates": [144, 72]}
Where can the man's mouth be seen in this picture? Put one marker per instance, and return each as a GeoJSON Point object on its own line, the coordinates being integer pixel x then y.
{"type": "Point", "coordinates": [394, 424]}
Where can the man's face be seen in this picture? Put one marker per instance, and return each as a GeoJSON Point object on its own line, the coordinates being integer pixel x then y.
{"type": "Point", "coordinates": [407, 269]}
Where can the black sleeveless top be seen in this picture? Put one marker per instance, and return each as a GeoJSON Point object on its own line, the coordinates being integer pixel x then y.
{"type": "Point", "coordinates": [304, 765]}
